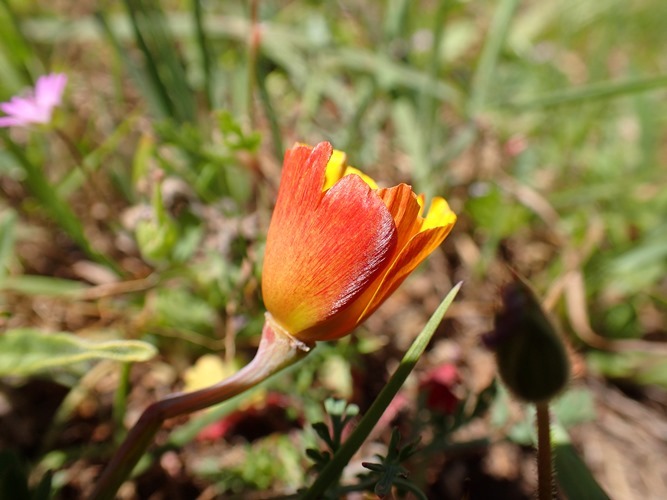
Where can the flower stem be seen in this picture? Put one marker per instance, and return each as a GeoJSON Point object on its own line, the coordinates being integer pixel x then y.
{"type": "Point", "coordinates": [545, 486]}
{"type": "Point", "coordinates": [120, 399]}
{"type": "Point", "coordinates": [276, 351]}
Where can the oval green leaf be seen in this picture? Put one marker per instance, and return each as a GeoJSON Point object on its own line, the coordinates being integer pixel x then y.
{"type": "Point", "coordinates": [26, 351]}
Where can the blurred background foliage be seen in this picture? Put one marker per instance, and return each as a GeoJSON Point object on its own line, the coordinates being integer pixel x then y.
{"type": "Point", "coordinates": [139, 217]}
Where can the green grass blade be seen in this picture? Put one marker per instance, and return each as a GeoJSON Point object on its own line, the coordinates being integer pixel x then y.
{"type": "Point", "coordinates": [19, 50]}
{"type": "Point", "coordinates": [164, 55]}
{"type": "Point", "coordinates": [484, 76]}
{"type": "Point", "coordinates": [344, 454]}
{"type": "Point", "coordinates": [204, 52]}
{"type": "Point", "coordinates": [593, 92]}
{"type": "Point", "coordinates": [7, 239]}
{"type": "Point", "coordinates": [271, 115]}
{"type": "Point", "coordinates": [152, 70]}
{"type": "Point", "coordinates": [428, 108]}
{"type": "Point", "coordinates": [157, 100]}
{"type": "Point", "coordinates": [29, 284]}
{"type": "Point", "coordinates": [54, 206]}
{"type": "Point", "coordinates": [572, 474]}
{"type": "Point", "coordinates": [390, 75]}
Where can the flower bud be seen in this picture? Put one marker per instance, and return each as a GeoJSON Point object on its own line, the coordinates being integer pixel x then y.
{"type": "Point", "coordinates": [531, 356]}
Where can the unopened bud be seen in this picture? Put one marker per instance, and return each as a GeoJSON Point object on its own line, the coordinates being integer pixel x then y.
{"type": "Point", "coordinates": [531, 356]}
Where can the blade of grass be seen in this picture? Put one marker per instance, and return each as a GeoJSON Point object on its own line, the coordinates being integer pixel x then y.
{"type": "Point", "coordinates": [572, 474]}
{"type": "Point", "coordinates": [595, 91]}
{"type": "Point", "coordinates": [94, 160]}
{"type": "Point", "coordinates": [164, 55]}
{"type": "Point", "coordinates": [365, 96]}
{"type": "Point", "coordinates": [152, 71]}
{"type": "Point", "coordinates": [7, 239]}
{"type": "Point", "coordinates": [427, 105]}
{"type": "Point", "coordinates": [390, 75]}
{"type": "Point", "coordinates": [396, 18]}
{"type": "Point", "coordinates": [484, 76]}
{"type": "Point", "coordinates": [157, 99]}
{"type": "Point", "coordinates": [412, 139]}
{"type": "Point", "coordinates": [204, 53]}
{"type": "Point", "coordinates": [270, 114]}
{"type": "Point", "coordinates": [56, 207]}
{"type": "Point", "coordinates": [28, 284]}
{"type": "Point", "coordinates": [164, 68]}
{"type": "Point", "coordinates": [345, 453]}
{"type": "Point", "coordinates": [19, 49]}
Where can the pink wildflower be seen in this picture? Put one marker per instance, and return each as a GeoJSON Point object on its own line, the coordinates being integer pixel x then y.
{"type": "Point", "coordinates": [36, 106]}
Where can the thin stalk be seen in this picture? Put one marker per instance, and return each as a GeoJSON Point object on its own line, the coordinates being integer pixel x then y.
{"type": "Point", "coordinates": [592, 92]}
{"type": "Point", "coordinates": [276, 351]}
{"type": "Point", "coordinates": [152, 69]}
{"type": "Point", "coordinates": [21, 51]}
{"type": "Point", "coordinates": [79, 163]}
{"type": "Point", "coordinates": [418, 494]}
{"type": "Point", "coordinates": [428, 105]}
{"type": "Point", "coordinates": [202, 42]}
{"type": "Point", "coordinates": [120, 398]}
{"type": "Point", "coordinates": [545, 486]}
{"type": "Point", "coordinates": [271, 116]}
{"type": "Point", "coordinates": [253, 50]}
{"type": "Point", "coordinates": [56, 207]}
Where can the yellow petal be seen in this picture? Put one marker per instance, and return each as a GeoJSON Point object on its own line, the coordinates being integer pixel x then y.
{"type": "Point", "coordinates": [335, 169]}
{"type": "Point", "coordinates": [439, 214]}
{"type": "Point", "coordinates": [368, 180]}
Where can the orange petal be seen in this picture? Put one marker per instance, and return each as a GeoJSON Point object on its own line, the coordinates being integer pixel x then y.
{"type": "Point", "coordinates": [320, 256]}
{"type": "Point", "coordinates": [439, 222]}
{"type": "Point", "coordinates": [405, 209]}
{"type": "Point", "coordinates": [301, 181]}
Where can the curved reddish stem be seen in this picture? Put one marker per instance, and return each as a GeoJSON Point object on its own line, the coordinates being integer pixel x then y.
{"type": "Point", "coordinates": [276, 351]}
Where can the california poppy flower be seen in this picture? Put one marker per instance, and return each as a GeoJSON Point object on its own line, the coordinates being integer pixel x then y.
{"type": "Point", "coordinates": [338, 245]}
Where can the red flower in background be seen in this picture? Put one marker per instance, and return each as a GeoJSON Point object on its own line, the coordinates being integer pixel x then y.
{"type": "Point", "coordinates": [439, 385]}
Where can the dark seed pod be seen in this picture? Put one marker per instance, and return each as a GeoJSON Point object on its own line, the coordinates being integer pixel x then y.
{"type": "Point", "coordinates": [531, 356]}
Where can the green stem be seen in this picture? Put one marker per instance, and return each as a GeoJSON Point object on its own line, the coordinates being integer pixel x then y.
{"type": "Point", "coordinates": [418, 494]}
{"type": "Point", "coordinates": [428, 106]}
{"type": "Point", "coordinates": [545, 486]}
{"type": "Point", "coordinates": [56, 207]}
{"type": "Point", "coordinates": [276, 351]}
{"type": "Point", "coordinates": [333, 469]}
{"type": "Point", "coordinates": [253, 50]}
{"type": "Point", "coordinates": [79, 163]}
{"type": "Point", "coordinates": [120, 398]}
{"type": "Point", "coordinates": [204, 53]}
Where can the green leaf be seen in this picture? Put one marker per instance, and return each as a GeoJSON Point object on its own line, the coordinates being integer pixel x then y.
{"type": "Point", "coordinates": [574, 407]}
{"type": "Point", "coordinates": [42, 285]}
{"type": "Point", "coordinates": [354, 441]}
{"type": "Point", "coordinates": [13, 477]}
{"type": "Point", "coordinates": [26, 351]}
{"type": "Point", "coordinates": [573, 476]}
{"type": "Point", "coordinates": [594, 91]}
{"type": "Point", "coordinates": [484, 79]}
{"type": "Point", "coordinates": [645, 368]}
